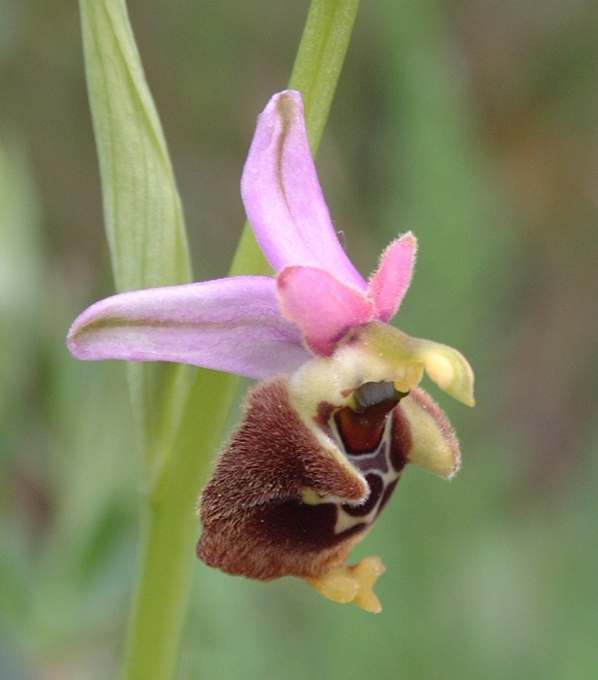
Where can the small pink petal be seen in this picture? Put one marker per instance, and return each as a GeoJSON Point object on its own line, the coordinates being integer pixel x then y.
{"type": "Point", "coordinates": [231, 324]}
{"type": "Point", "coordinates": [283, 198]}
{"type": "Point", "coordinates": [389, 283]}
{"type": "Point", "coordinates": [321, 305]}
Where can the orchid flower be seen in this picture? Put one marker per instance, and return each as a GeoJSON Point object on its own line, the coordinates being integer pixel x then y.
{"type": "Point", "coordinates": [324, 437]}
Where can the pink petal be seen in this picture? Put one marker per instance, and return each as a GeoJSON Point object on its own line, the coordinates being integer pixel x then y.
{"type": "Point", "coordinates": [389, 283]}
{"type": "Point", "coordinates": [231, 324]}
{"type": "Point", "coordinates": [282, 195]}
{"type": "Point", "coordinates": [321, 305]}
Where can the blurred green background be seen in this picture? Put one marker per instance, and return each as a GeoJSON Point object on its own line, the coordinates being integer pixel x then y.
{"type": "Point", "coordinates": [475, 124]}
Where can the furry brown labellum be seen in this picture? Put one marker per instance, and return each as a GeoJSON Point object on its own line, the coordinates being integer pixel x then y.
{"type": "Point", "coordinates": [292, 498]}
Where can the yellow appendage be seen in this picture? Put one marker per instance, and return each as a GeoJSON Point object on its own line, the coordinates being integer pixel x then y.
{"type": "Point", "coordinates": [351, 584]}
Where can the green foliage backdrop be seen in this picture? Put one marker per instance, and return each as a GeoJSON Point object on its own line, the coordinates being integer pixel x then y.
{"type": "Point", "coordinates": [472, 123]}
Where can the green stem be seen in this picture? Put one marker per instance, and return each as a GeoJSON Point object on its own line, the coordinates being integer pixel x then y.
{"type": "Point", "coordinates": [169, 528]}
{"type": "Point", "coordinates": [170, 525]}
{"type": "Point", "coordinates": [320, 58]}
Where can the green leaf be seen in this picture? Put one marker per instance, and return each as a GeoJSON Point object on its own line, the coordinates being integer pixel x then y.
{"type": "Point", "coordinates": [142, 209]}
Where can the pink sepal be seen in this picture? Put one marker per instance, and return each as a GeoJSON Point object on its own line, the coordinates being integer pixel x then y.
{"type": "Point", "coordinates": [283, 198]}
{"type": "Point", "coordinates": [230, 325]}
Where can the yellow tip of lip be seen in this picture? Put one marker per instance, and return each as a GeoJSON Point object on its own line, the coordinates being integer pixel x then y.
{"type": "Point", "coordinates": [351, 583]}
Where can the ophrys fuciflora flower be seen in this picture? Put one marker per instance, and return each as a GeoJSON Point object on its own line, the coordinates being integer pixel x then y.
{"type": "Point", "coordinates": [338, 413]}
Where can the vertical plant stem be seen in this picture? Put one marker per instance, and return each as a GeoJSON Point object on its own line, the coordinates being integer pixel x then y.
{"type": "Point", "coordinates": [169, 520]}
{"type": "Point", "coordinates": [320, 59]}
{"type": "Point", "coordinates": [169, 528]}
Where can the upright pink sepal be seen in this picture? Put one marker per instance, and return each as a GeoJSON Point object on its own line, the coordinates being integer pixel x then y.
{"type": "Point", "coordinates": [283, 198]}
{"type": "Point", "coordinates": [389, 283]}
{"type": "Point", "coordinates": [323, 307]}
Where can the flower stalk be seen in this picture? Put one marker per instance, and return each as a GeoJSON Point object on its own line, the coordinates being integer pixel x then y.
{"type": "Point", "coordinates": [169, 527]}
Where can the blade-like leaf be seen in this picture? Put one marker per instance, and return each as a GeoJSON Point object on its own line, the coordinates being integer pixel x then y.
{"type": "Point", "coordinates": [142, 209]}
